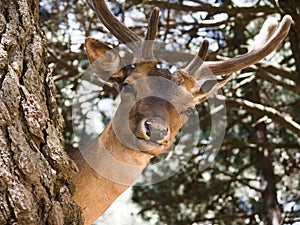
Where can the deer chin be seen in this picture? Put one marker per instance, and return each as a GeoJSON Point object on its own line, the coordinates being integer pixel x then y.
{"type": "Point", "coordinates": [150, 147]}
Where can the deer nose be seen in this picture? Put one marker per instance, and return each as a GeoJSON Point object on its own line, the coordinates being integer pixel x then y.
{"type": "Point", "coordinates": [156, 129]}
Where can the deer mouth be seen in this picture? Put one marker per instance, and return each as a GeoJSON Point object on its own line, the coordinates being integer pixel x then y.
{"type": "Point", "coordinates": [150, 147]}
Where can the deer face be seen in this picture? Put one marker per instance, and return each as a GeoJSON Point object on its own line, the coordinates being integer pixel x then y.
{"type": "Point", "coordinates": [160, 105]}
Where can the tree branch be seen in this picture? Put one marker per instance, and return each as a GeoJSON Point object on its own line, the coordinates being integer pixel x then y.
{"type": "Point", "coordinates": [279, 117]}
{"type": "Point", "coordinates": [212, 8]}
{"type": "Point", "coordinates": [277, 81]}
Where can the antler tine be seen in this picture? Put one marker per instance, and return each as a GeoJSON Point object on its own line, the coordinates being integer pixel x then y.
{"type": "Point", "coordinates": [268, 29]}
{"type": "Point", "coordinates": [270, 38]}
{"type": "Point", "coordinates": [197, 61]}
{"type": "Point", "coordinates": [151, 34]}
{"type": "Point", "coordinates": [117, 28]}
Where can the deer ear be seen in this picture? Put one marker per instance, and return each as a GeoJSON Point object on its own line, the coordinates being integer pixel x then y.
{"type": "Point", "coordinates": [208, 88]}
{"type": "Point", "coordinates": [105, 61]}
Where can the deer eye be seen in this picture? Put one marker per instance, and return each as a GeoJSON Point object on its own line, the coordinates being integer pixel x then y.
{"type": "Point", "coordinates": [190, 111]}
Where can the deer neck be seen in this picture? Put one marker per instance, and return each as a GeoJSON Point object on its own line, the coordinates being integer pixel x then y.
{"type": "Point", "coordinates": [106, 169]}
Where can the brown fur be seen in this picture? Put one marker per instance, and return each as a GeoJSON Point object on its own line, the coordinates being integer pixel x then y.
{"type": "Point", "coordinates": [95, 193]}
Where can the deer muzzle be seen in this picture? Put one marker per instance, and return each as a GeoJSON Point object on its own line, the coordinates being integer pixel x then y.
{"type": "Point", "coordinates": [156, 129]}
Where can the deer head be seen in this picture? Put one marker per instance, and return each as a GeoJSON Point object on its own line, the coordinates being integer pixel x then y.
{"type": "Point", "coordinates": [156, 100]}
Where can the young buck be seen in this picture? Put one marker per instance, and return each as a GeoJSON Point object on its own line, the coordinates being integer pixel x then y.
{"type": "Point", "coordinates": [115, 159]}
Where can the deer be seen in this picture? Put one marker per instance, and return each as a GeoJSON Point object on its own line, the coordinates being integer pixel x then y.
{"type": "Point", "coordinates": [109, 165]}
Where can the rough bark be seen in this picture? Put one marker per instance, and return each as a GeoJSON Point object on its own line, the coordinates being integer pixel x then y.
{"type": "Point", "coordinates": [35, 171]}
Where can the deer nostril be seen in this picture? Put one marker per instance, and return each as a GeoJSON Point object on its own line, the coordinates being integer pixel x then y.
{"type": "Point", "coordinates": [147, 126]}
{"type": "Point", "coordinates": [156, 129]}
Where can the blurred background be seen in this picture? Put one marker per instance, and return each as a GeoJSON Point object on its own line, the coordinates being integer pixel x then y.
{"type": "Point", "coordinates": [255, 176]}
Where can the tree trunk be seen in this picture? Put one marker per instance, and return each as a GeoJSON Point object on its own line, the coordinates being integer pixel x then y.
{"type": "Point", "coordinates": [35, 171]}
{"type": "Point", "coordinates": [264, 165]}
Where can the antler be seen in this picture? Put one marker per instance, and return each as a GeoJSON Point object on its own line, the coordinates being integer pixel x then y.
{"type": "Point", "coordinates": [197, 61]}
{"type": "Point", "coordinates": [268, 40]}
{"type": "Point", "coordinates": [123, 33]}
{"type": "Point", "coordinates": [147, 50]}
